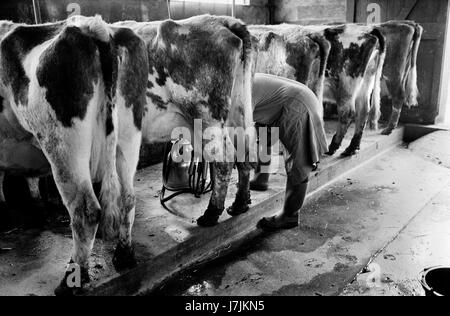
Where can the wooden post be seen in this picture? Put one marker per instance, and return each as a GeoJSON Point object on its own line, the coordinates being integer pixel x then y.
{"type": "Point", "coordinates": [233, 8]}
{"type": "Point", "coordinates": [271, 8]}
{"type": "Point", "coordinates": [351, 5]}
{"type": "Point", "coordinates": [406, 10]}
{"type": "Point", "coordinates": [37, 12]}
{"type": "Point", "coordinates": [169, 11]}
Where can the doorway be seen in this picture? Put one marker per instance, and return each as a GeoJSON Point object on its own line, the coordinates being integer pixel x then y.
{"type": "Point", "coordinates": [444, 95]}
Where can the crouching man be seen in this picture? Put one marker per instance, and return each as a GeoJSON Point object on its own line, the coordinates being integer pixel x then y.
{"type": "Point", "coordinates": [296, 111]}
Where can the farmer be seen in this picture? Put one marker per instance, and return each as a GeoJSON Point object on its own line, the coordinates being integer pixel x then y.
{"type": "Point", "coordinates": [295, 110]}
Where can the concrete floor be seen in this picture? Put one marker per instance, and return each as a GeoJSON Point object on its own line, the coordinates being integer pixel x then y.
{"type": "Point", "coordinates": [389, 220]}
{"type": "Point", "coordinates": [342, 227]}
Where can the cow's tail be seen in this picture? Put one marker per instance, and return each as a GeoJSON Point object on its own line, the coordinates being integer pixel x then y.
{"type": "Point", "coordinates": [110, 190]}
{"type": "Point", "coordinates": [325, 48]}
{"type": "Point", "coordinates": [94, 27]}
{"type": "Point", "coordinates": [375, 112]}
{"type": "Point", "coordinates": [412, 91]}
{"type": "Point", "coordinates": [242, 89]}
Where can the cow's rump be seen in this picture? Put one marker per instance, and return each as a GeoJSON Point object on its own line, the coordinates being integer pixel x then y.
{"type": "Point", "coordinates": [284, 50]}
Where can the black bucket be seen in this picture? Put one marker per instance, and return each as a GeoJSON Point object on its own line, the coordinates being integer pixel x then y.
{"type": "Point", "coordinates": [436, 281]}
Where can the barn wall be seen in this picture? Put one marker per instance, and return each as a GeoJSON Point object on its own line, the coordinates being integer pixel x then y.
{"type": "Point", "coordinates": [310, 11]}
{"type": "Point", "coordinates": [17, 11]}
{"type": "Point", "coordinates": [115, 10]}
{"type": "Point", "coordinates": [255, 13]}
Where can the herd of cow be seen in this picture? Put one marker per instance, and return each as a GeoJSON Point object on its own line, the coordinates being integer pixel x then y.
{"type": "Point", "coordinates": [78, 97]}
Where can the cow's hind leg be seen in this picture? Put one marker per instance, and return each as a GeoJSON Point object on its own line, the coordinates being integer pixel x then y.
{"type": "Point", "coordinates": [127, 161]}
{"type": "Point", "coordinates": [362, 115]}
{"type": "Point", "coordinates": [222, 176]}
{"type": "Point", "coordinates": [398, 100]}
{"type": "Point", "coordinates": [69, 151]}
{"type": "Point", "coordinates": [85, 212]}
{"type": "Point", "coordinates": [346, 114]}
{"type": "Point", "coordinates": [243, 199]}
{"type": "Point", "coordinates": [395, 117]}
{"type": "Point", "coordinates": [36, 197]}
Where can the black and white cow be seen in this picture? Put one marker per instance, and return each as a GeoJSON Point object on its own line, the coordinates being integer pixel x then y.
{"type": "Point", "coordinates": [399, 80]}
{"type": "Point", "coordinates": [352, 79]}
{"type": "Point", "coordinates": [200, 68]}
{"type": "Point", "coordinates": [76, 91]}
{"type": "Point", "coordinates": [19, 156]}
{"type": "Point", "coordinates": [283, 51]}
{"type": "Point", "coordinates": [399, 76]}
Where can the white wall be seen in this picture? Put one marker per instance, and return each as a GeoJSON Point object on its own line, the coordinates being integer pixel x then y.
{"type": "Point", "coordinates": [444, 94]}
{"type": "Point", "coordinates": [311, 11]}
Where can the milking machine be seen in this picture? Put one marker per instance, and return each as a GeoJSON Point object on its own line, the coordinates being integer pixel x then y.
{"type": "Point", "coordinates": [181, 176]}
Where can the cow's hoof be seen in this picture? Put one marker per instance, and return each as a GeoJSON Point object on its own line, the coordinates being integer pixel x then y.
{"type": "Point", "coordinates": [124, 258]}
{"type": "Point", "coordinates": [237, 210]}
{"type": "Point", "coordinates": [334, 147]}
{"type": "Point", "coordinates": [387, 131]}
{"type": "Point", "coordinates": [330, 152]}
{"type": "Point", "coordinates": [208, 221]}
{"type": "Point", "coordinates": [73, 285]}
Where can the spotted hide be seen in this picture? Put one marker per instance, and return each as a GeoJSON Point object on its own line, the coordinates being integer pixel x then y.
{"type": "Point", "coordinates": [75, 91]}
{"type": "Point", "coordinates": [282, 50]}
{"type": "Point", "coordinates": [352, 78]}
{"type": "Point", "coordinates": [200, 68]}
{"type": "Point", "coordinates": [20, 154]}
{"type": "Point", "coordinates": [399, 80]}
{"type": "Point", "coordinates": [399, 75]}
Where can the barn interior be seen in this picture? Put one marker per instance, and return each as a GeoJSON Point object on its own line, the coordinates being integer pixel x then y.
{"type": "Point", "coordinates": [372, 223]}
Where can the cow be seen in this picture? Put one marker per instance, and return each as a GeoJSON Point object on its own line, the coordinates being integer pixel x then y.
{"type": "Point", "coordinates": [201, 68]}
{"type": "Point", "coordinates": [76, 91]}
{"type": "Point", "coordinates": [352, 73]}
{"type": "Point", "coordinates": [399, 75]}
{"type": "Point", "coordinates": [400, 68]}
{"type": "Point", "coordinates": [352, 79]}
{"type": "Point", "coordinates": [17, 153]}
{"type": "Point", "coordinates": [283, 51]}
